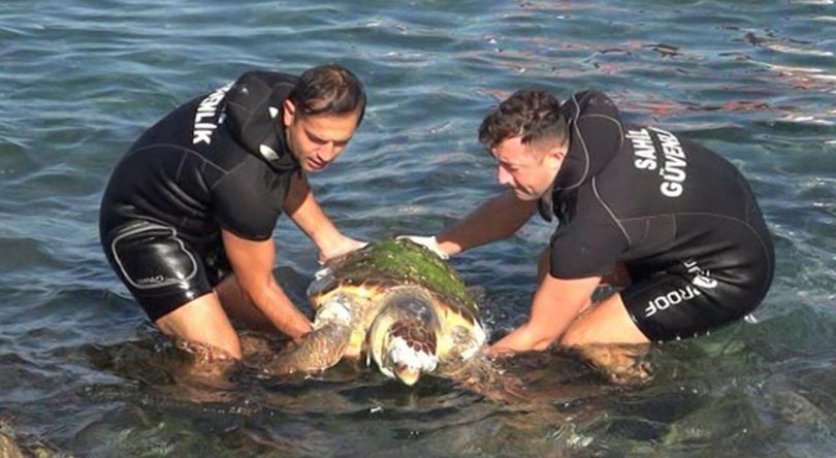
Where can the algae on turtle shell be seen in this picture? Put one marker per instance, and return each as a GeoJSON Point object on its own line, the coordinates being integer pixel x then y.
{"type": "Point", "coordinates": [404, 263]}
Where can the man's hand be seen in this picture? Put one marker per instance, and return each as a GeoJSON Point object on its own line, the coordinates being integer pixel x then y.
{"type": "Point", "coordinates": [340, 247]}
{"type": "Point", "coordinates": [429, 242]}
{"type": "Point", "coordinates": [498, 352]}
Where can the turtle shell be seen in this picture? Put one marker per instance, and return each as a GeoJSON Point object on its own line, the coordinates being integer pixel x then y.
{"type": "Point", "coordinates": [397, 262]}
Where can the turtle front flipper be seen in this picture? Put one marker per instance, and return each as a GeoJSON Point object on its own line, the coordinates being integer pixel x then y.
{"type": "Point", "coordinates": [325, 346]}
{"type": "Point", "coordinates": [319, 350]}
{"type": "Point", "coordinates": [482, 375]}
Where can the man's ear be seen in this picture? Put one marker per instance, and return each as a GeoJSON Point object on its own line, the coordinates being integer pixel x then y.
{"type": "Point", "coordinates": [555, 155]}
{"type": "Point", "coordinates": [289, 112]}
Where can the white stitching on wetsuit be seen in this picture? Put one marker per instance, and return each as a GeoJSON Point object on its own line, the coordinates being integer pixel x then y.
{"type": "Point", "coordinates": [177, 147]}
{"type": "Point", "coordinates": [610, 212]}
{"type": "Point", "coordinates": [143, 228]}
{"type": "Point", "coordinates": [583, 142]}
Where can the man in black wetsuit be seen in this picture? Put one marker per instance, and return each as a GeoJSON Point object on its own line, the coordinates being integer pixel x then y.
{"type": "Point", "coordinates": [187, 218]}
{"type": "Point", "coordinates": [671, 223]}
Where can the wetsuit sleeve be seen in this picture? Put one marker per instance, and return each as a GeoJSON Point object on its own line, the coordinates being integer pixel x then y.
{"type": "Point", "coordinates": [248, 201]}
{"type": "Point", "coordinates": [581, 250]}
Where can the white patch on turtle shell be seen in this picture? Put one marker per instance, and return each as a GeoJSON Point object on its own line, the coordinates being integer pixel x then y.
{"type": "Point", "coordinates": [401, 353]}
{"type": "Point", "coordinates": [322, 278]}
{"type": "Point", "coordinates": [478, 338]}
{"type": "Point", "coordinates": [337, 309]}
{"type": "Point", "coordinates": [469, 352]}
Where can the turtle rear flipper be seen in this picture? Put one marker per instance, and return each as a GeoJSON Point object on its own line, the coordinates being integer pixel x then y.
{"type": "Point", "coordinates": [319, 350]}
{"type": "Point", "coordinates": [483, 376]}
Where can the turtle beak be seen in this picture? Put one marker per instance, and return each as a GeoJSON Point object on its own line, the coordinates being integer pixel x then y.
{"type": "Point", "coordinates": [407, 374]}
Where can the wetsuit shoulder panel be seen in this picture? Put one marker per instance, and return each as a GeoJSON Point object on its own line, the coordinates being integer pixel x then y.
{"type": "Point", "coordinates": [595, 136]}
{"type": "Point", "coordinates": [249, 199]}
{"type": "Point", "coordinates": [590, 242]}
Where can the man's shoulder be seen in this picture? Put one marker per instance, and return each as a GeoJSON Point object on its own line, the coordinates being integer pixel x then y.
{"type": "Point", "coordinates": [593, 101]}
{"type": "Point", "coordinates": [591, 105]}
{"type": "Point", "coordinates": [266, 78]}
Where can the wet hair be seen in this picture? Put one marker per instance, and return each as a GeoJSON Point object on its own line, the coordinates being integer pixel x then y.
{"type": "Point", "coordinates": [328, 89]}
{"type": "Point", "coordinates": [532, 114]}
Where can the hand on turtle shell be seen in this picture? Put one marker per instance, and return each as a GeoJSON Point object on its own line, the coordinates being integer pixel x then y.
{"type": "Point", "coordinates": [428, 241]}
{"type": "Point", "coordinates": [343, 247]}
{"type": "Point", "coordinates": [498, 352]}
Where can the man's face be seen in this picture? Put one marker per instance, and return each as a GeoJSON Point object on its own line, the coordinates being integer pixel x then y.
{"type": "Point", "coordinates": [528, 169]}
{"type": "Point", "coordinates": [316, 141]}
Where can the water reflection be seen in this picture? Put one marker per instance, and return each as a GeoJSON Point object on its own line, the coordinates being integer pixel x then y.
{"type": "Point", "coordinates": [718, 393]}
{"type": "Point", "coordinates": [170, 385]}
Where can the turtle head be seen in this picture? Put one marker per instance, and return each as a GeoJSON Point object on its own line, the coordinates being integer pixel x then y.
{"type": "Point", "coordinates": [403, 336]}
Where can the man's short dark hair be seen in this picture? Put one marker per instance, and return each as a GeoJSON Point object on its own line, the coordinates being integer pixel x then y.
{"type": "Point", "coordinates": [329, 89]}
{"type": "Point", "coordinates": [532, 114]}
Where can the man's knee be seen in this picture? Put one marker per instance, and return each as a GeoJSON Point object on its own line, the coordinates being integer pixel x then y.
{"type": "Point", "coordinates": [202, 321]}
{"type": "Point", "coordinates": [607, 322]}
{"type": "Point", "coordinates": [576, 336]}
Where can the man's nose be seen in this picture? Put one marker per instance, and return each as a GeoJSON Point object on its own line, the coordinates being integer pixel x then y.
{"type": "Point", "coordinates": [328, 152]}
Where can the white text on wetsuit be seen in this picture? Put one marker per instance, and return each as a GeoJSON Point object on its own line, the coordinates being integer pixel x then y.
{"type": "Point", "coordinates": [674, 297]}
{"type": "Point", "coordinates": [206, 111]}
{"type": "Point", "coordinates": [673, 171]}
{"type": "Point", "coordinates": [701, 280]}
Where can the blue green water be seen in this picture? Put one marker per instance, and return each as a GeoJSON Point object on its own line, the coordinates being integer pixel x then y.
{"type": "Point", "coordinates": [81, 369]}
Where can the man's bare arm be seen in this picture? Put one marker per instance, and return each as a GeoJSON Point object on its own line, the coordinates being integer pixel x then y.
{"type": "Point", "coordinates": [252, 261]}
{"type": "Point", "coordinates": [557, 303]}
{"type": "Point", "coordinates": [498, 218]}
{"type": "Point", "coordinates": [306, 213]}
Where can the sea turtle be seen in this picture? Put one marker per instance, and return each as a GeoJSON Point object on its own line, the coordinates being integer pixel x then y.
{"type": "Point", "coordinates": [401, 305]}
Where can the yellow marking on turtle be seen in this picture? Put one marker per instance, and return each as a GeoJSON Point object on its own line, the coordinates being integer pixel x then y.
{"type": "Point", "coordinates": [452, 318]}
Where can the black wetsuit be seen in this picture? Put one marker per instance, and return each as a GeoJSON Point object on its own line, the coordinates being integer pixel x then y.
{"type": "Point", "coordinates": [681, 218]}
{"type": "Point", "coordinates": [218, 161]}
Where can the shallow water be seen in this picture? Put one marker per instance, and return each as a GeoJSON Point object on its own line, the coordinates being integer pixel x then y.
{"type": "Point", "coordinates": [81, 369]}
